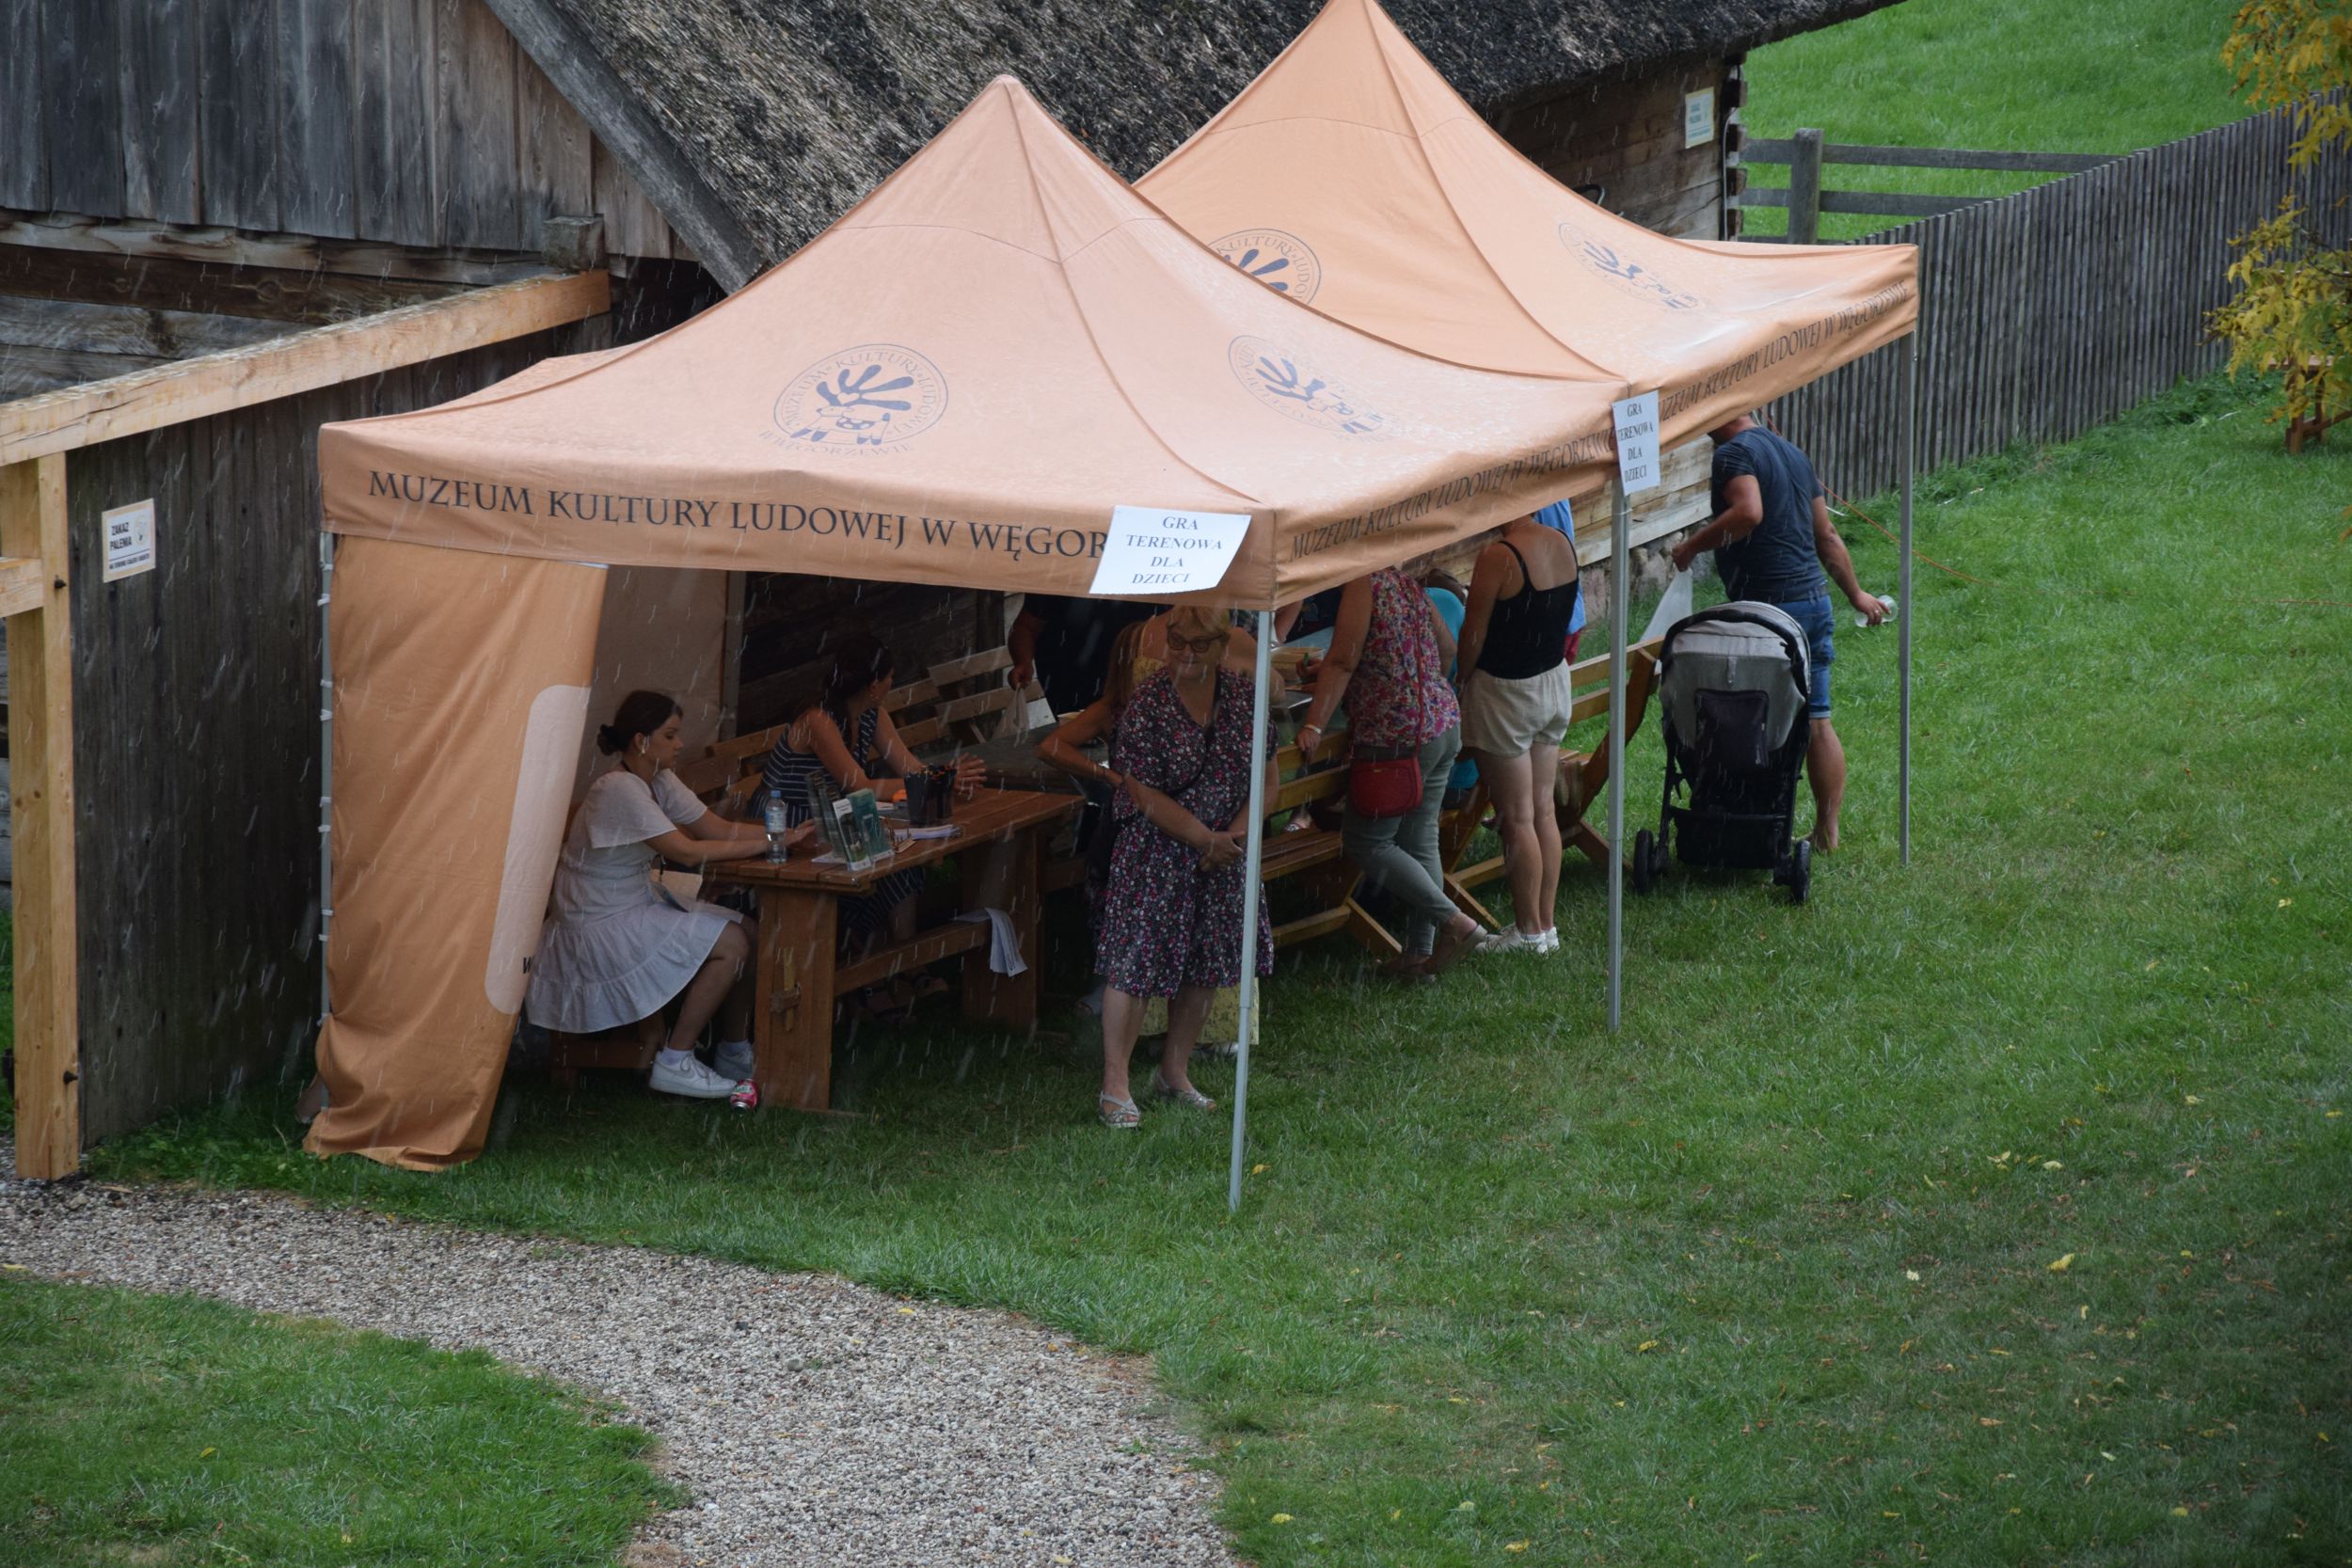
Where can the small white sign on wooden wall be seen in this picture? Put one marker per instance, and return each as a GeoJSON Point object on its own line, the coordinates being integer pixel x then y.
{"type": "Point", "coordinates": [130, 540]}
{"type": "Point", "coordinates": [1698, 118]}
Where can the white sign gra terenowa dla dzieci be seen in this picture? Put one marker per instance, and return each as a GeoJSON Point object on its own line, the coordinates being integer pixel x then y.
{"type": "Point", "coordinates": [1155, 553]}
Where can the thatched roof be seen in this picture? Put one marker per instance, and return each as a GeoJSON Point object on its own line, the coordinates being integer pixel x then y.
{"type": "Point", "coordinates": [753, 124]}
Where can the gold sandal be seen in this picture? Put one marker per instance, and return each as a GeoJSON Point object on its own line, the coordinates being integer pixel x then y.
{"type": "Point", "coordinates": [1188, 1096]}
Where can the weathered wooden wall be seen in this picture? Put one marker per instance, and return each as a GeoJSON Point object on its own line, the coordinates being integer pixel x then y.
{"type": "Point", "coordinates": [412, 122]}
{"type": "Point", "coordinates": [197, 738]}
{"type": "Point", "coordinates": [1621, 144]}
{"type": "Point", "coordinates": [2044, 313]}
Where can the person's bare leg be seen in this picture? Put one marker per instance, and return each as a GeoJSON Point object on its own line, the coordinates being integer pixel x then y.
{"type": "Point", "coordinates": [1825, 764]}
{"type": "Point", "coordinates": [1186, 1012]}
{"type": "Point", "coordinates": [1122, 1020]}
{"type": "Point", "coordinates": [734, 1013]}
{"type": "Point", "coordinates": [1511, 782]}
{"type": "Point", "coordinates": [1546, 835]}
{"type": "Point", "coordinates": [710, 986]}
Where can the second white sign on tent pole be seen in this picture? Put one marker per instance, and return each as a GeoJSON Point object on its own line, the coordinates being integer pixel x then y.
{"type": "Point", "coordinates": [1637, 469]}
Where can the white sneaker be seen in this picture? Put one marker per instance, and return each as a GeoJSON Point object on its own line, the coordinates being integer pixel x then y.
{"type": "Point", "coordinates": [691, 1079]}
{"type": "Point", "coordinates": [1513, 939]}
{"type": "Point", "coordinates": [1548, 941]}
{"type": "Point", "coordinates": [733, 1060]}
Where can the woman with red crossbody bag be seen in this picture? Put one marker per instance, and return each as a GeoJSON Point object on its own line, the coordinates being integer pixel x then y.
{"type": "Point", "coordinates": [1387, 659]}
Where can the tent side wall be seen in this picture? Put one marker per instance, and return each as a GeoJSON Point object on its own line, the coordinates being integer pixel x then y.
{"type": "Point", "coordinates": [195, 686]}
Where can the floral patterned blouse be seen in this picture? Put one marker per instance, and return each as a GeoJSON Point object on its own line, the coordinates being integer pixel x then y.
{"type": "Point", "coordinates": [1398, 696]}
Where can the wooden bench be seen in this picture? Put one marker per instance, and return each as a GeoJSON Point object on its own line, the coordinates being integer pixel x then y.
{"type": "Point", "coordinates": [956, 702]}
{"type": "Point", "coordinates": [1312, 856]}
{"type": "Point", "coordinates": [1583, 775]}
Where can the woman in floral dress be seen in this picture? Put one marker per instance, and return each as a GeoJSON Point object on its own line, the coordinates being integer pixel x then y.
{"type": "Point", "coordinates": [1172, 917]}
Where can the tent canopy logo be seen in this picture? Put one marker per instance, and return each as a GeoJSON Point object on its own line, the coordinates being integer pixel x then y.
{"type": "Point", "coordinates": [872, 398]}
{"type": "Point", "coordinates": [1279, 380]}
{"type": "Point", "coordinates": [1634, 278]}
{"type": "Point", "coordinates": [1281, 261]}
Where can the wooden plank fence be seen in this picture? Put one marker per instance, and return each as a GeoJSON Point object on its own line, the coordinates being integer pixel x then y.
{"type": "Point", "coordinates": [2047, 313]}
{"type": "Point", "coordinates": [1807, 199]}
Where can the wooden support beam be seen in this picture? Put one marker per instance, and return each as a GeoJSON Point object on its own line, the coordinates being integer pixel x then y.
{"type": "Point", "coordinates": [300, 362]}
{"type": "Point", "coordinates": [40, 806]}
{"type": "Point", "coordinates": [23, 585]}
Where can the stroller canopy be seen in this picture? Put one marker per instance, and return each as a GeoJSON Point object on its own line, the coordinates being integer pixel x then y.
{"type": "Point", "coordinates": [1740, 646]}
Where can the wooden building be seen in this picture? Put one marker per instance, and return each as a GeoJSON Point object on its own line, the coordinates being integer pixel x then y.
{"type": "Point", "coordinates": [225, 222]}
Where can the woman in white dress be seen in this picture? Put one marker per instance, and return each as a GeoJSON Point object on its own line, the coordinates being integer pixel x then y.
{"type": "Point", "coordinates": [619, 946]}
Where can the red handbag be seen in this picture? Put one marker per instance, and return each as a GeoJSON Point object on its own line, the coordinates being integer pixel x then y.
{"type": "Point", "coordinates": [1384, 783]}
{"type": "Point", "coordinates": [1385, 780]}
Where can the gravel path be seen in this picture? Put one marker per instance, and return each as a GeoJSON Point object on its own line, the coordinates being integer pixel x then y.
{"type": "Point", "coordinates": [814, 1421]}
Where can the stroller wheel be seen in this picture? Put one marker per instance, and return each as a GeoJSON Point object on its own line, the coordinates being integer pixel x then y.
{"type": "Point", "coordinates": [1645, 861]}
{"type": "Point", "coordinates": [1801, 872]}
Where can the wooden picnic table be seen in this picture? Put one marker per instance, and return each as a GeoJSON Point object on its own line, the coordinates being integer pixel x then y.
{"type": "Point", "coordinates": [797, 972]}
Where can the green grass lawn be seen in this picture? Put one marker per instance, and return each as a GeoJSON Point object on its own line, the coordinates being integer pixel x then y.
{"type": "Point", "coordinates": [1987, 1211]}
{"type": "Point", "coordinates": [162, 1430]}
{"type": "Point", "coordinates": [2006, 75]}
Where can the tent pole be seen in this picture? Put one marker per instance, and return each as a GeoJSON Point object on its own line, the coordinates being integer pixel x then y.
{"type": "Point", "coordinates": [1253, 892]}
{"type": "Point", "coordinates": [327, 764]}
{"type": "Point", "coordinates": [1909, 607]}
{"type": "Point", "coordinates": [1620, 606]}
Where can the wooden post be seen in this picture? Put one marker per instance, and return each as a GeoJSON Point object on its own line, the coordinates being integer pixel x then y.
{"type": "Point", "coordinates": [41, 745]}
{"type": "Point", "coordinates": [1805, 187]}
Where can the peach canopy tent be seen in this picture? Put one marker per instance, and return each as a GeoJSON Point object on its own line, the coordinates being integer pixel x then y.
{"type": "Point", "coordinates": [1351, 176]}
{"type": "Point", "coordinates": [954, 385]}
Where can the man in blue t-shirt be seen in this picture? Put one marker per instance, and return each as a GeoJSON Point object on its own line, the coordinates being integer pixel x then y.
{"type": "Point", "coordinates": [1773, 539]}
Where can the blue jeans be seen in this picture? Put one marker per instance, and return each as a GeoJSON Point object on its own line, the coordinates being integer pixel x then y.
{"type": "Point", "coordinates": [1815, 617]}
{"type": "Point", "coordinates": [1399, 854]}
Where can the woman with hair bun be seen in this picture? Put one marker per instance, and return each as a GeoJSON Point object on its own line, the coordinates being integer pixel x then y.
{"type": "Point", "coordinates": [620, 947]}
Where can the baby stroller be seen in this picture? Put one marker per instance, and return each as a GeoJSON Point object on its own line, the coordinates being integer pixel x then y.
{"type": "Point", "coordinates": [1732, 683]}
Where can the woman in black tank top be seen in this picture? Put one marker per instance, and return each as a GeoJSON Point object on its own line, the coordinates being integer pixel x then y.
{"type": "Point", "coordinates": [1515, 698]}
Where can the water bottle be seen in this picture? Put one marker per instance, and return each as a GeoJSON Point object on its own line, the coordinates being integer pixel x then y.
{"type": "Point", "coordinates": [1889, 600]}
{"type": "Point", "coordinates": [778, 824]}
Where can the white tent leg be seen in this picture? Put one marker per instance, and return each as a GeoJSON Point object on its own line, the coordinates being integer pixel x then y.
{"type": "Point", "coordinates": [1253, 891]}
{"type": "Point", "coordinates": [326, 765]}
{"type": "Point", "coordinates": [1908, 607]}
{"type": "Point", "coordinates": [1620, 607]}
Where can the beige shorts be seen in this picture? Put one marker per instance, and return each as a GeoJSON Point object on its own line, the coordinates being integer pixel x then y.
{"type": "Point", "coordinates": [1509, 718]}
